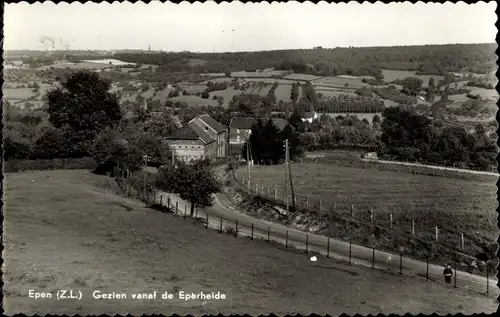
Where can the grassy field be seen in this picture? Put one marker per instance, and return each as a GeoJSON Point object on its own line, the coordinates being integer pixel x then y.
{"type": "Point", "coordinates": [390, 75]}
{"type": "Point", "coordinates": [485, 93]}
{"type": "Point", "coordinates": [18, 93]}
{"type": "Point", "coordinates": [340, 82]}
{"type": "Point", "coordinates": [283, 92]}
{"type": "Point", "coordinates": [194, 101]}
{"type": "Point", "coordinates": [162, 95]}
{"type": "Point", "coordinates": [128, 248]}
{"type": "Point", "coordinates": [455, 206]}
{"type": "Point", "coordinates": [302, 77]}
{"type": "Point", "coordinates": [227, 94]}
{"type": "Point", "coordinates": [258, 74]}
{"type": "Point", "coordinates": [332, 92]}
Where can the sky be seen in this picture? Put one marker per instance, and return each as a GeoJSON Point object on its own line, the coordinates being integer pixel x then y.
{"type": "Point", "coordinates": [208, 27]}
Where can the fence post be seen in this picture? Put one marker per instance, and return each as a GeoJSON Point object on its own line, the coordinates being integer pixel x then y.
{"type": "Point", "coordinates": [268, 234]}
{"type": "Point", "coordinates": [390, 220]}
{"type": "Point", "coordinates": [487, 279]}
{"type": "Point", "coordinates": [307, 202]}
{"type": "Point", "coordinates": [455, 275]}
{"type": "Point", "coordinates": [236, 234]}
{"type": "Point", "coordinates": [220, 224]}
{"type": "Point", "coordinates": [251, 235]}
{"type": "Point", "coordinates": [161, 200]}
{"type": "Point", "coordinates": [176, 207]}
{"type": "Point", "coordinates": [413, 227]}
{"type": "Point", "coordinates": [196, 215]}
{"type": "Point", "coordinates": [437, 233]}
{"type": "Point", "coordinates": [268, 195]}
{"type": "Point", "coordinates": [427, 270]}
{"type": "Point", "coordinates": [400, 263]}
{"type": "Point", "coordinates": [328, 248]}
{"type": "Point", "coordinates": [373, 257]}
{"type": "Point", "coordinates": [352, 210]}
{"type": "Point", "coordinates": [275, 195]}
{"type": "Point", "coordinates": [307, 243]}
{"type": "Point", "coordinates": [320, 203]}
{"type": "Point", "coordinates": [154, 198]}
{"type": "Point", "coordinates": [462, 242]}
{"type": "Point", "coordinates": [286, 240]}
{"type": "Point", "coordinates": [371, 215]}
{"type": "Point", "coordinates": [185, 211]}
{"type": "Point", "coordinates": [206, 225]}
{"type": "Point", "coordinates": [168, 202]}
{"type": "Point", "coordinates": [350, 251]}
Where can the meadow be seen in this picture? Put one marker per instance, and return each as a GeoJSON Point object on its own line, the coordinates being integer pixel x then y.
{"type": "Point", "coordinates": [340, 82]}
{"type": "Point", "coordinates": [332, 92]}
{"type": "Point", "coordinates": [195, 101]}
{"type": "Point", "coordinates": [258, 74]}
{"type": "Point", "coordinates": [18, 93]}
{"type": "Point", "coordinates": [454, 205]}
{"type": "Point", "coordinates": [302, 77]}
{"type": "Point", "coordinates": [484, 93]}
{"type": "Point", "coordinates": [283, 92]}
{"type": "Point", "coordinates": [391, 75]}
{"type": "Point", "coordinates": [48, 246]}
{"type": "Point", "coordinates": [227, 94]}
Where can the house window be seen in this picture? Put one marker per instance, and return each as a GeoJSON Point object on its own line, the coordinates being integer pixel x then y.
{"type": "Point", "coordinates": [237, 138]}
{"type": "Point", "coordinates": [237, 130]}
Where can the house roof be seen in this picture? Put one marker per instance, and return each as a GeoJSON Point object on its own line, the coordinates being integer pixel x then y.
{"type": "Point", "coordinates": [184, 133]}
{"type": "Point", "coordinates": [242, 123]}
{"type": "Point", "coordinates": [212, 123]}
{"type": "Point", "coordinates": [205, 137]}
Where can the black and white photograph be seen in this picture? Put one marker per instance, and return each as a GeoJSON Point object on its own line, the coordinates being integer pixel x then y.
{"type": "Point", "coordinates": [249, 158]}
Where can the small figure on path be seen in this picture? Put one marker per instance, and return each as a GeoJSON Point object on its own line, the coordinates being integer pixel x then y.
{"type": "Point", "coordinates": [448, 272]}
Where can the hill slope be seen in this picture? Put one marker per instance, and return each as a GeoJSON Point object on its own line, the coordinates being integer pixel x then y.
{"type": "Point", "coordinates": [68, 229]}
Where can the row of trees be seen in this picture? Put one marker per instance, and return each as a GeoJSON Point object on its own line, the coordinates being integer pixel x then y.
{"type": "Point", "coordinates": [429, 59]}
{"type": "Point", "coordinates": [409, 136]}
{"type": "Point", "coordinates": [345, 103]}
{"type": "Point", "coordinates": [266, 143]}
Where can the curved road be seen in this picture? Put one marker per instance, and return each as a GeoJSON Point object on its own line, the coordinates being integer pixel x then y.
{"type": "Point", "coordinates": [337, 249]}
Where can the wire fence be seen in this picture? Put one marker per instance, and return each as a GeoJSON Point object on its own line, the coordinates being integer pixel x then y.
{"type": "Point", "coordinates": [291, 239]}
{"type": "Point", "coordinates": [370, 225]}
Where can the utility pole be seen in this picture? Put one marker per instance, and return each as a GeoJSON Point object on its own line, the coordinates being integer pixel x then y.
{"type": "Point", "coordinates": [290, 173]}
{"type": "Point", "coordinates": [286, 165]}
{"type": "Point", "coordinates": [173, 156]}
{"type": "Point", "coordinates": [146, 159]}
{"type": "Point", "coordinates": [248, 163]}
{"type": "Point", "coordinates": [227, 147]}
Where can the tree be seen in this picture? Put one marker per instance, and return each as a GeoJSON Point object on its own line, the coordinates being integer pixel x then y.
{"type": "Point", "coordinates": [431, 94]}
{"type": "Point", "coordinates": [294, 95]}
{"type": "Point", "coordinates": [83, 107]}
{"type": "Point", "coordinates": [432, 83]}
{"type": "Point", "coordinates": [403, 132]}
{"type": "Point", "coordinates": [193, 182]}
{"type": "Point", "coordinates": [412, 85]}
{"type": "Point", "coordinates": [52, 143]}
